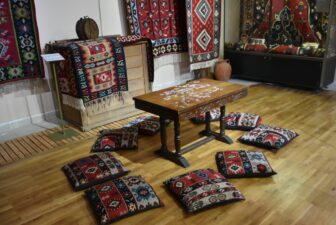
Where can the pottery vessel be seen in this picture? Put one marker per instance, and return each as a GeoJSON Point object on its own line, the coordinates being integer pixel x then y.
{"type": "Point", "coordinates": [223, 70]}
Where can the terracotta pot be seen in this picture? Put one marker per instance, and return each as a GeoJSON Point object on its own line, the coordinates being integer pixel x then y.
{"type": "Point", "coordinates": [223, 70]}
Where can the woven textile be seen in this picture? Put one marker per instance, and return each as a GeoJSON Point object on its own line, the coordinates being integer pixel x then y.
{"type": "Point", "coordinates": [203, 24]}
{"type": "Point", "coordinates": [120, 198]}
{"type": "Point", "coordinates": [292, 22]}
{"type": "Point", "coordinates": [161, 21]}
{"type": "Point", "coordinates": [94, 169]}
{"type": "Point", "coordinates": [238, 164]}
{"type": "Point", "coordinates": [147, 125]}
{"type": "Point", "coordinates": [19, 41]}
{"type": "Point", "coordinates": [214, 116]}
{"type": "Point", "coordinates": [202, 189]}
{"type": "Point", "coordinates": [116, 139]}
{"type": "Point", "coordinates": [269, 137]}
{"type": "Point", "coordinates": [93, 71]}
{"type": "Point", "coordinates": [242, 121]}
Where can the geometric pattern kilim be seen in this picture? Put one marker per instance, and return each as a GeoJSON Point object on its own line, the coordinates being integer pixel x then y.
{"type": "Point", "coordinates": [201, 189]}
{"type": "Point", "coordinates": [122, 197]}
{"type": "Point", "coordinates": [236, 164]}
{"type": "Point", "coordinates": [203, 24]}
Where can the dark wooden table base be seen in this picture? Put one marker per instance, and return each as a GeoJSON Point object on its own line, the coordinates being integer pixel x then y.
{"type": "Point", "coordinates": [176, 156]}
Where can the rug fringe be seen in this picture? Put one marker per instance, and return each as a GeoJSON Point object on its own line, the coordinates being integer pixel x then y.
{"type": "Point", "coordinates": [76, 103]}
{"type": "Point", "coordinates": [202, 65]}
{"type": "Point", "coordinates": [98, 105]}
{"type": "Point", "coordinates": [170, 59]}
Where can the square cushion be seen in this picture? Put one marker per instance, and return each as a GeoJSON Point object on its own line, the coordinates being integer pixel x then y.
{"type": "Point", "coordinates": [94, 169]}
{"type": "Point", "coordinates": [202, 189]}
{"type": "Point", "coordinates": [268, 137]}
{"type": "Point", "coordinates": [116, 139]}
{"type": "Point", "coordinates": [242, 121]}
{"type": "Point", "coordinates": [123, 197]}
{"type": "Point", "coordinates": [236, 164]}
{"type": "Point", "coordinates": [214, 116]}
{"type": "Point", "coordinates": [147, 125]}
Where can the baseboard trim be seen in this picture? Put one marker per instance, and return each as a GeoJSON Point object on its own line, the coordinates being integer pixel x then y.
{"type": "Point", "coordinates": [48, 116]}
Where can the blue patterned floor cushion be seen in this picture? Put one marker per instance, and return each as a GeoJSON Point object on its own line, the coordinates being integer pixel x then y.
{"type": "Point", "coordinates": [120, 198]}
{"type": "Point", "coordinates": [147, 125]}
{"type": "Point", "coordinates": [94, 169]}
{"type": "Point", "coordinates": [238, 164]}
{"type": "Point", "coordinates": [116, 139]}
{"type": "Point", "coordinates": [268, 137]}
{"type": "Point", "coordinates": [242, 121]}
{"type": "Point", "coordinates": [203, 189]}
{"type": "Point", "coordinates": [214, 116]}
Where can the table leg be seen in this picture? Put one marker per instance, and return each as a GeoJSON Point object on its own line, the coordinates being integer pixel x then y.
{"type": "Point", "coordinates": [163, 134]}
{"type": "Point", "coordinates": [164, 152]}
{"type": "Point", "coordinates": [207, 130]}
{"type": "Point", "coordinates": [221, 136]}
{"type": "Point", "coordinates": [222, 121]}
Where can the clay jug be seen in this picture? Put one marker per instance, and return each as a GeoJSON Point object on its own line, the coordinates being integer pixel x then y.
{"type": "Point", "coordinates": [223, 70]}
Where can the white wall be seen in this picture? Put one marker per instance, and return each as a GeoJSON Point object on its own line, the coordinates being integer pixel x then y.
{"type": "Point", "coordinates": [29, 101]}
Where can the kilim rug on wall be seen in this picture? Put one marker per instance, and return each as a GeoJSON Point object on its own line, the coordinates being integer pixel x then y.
{"type": "Point", "coordinates": [161, 21]}
{"type": "Point", "coordinates": [94, 71]}
{"type": "Point", "coordinates": [203, 22]}
{"type": "Point", "coordinates": [290, 23]}
{"type": "Point", "coordinates": [19, 41]}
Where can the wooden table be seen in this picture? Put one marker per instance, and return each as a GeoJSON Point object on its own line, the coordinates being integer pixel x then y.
{"type": "Point", "coordinates": [188, 101]}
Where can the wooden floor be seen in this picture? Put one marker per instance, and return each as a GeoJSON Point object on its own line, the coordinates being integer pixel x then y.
{"type": "Point", "coordinates": [35, 190]}
{"type": "Point", "coordinates": [30, 145]}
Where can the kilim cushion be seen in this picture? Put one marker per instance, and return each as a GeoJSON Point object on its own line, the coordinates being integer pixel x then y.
{"type": "Point", "coordinates": [242, 121]}
{"type": "Point", "coordinates": [122, 197]}
{"type": "Point", "coordinates": [202, 189]}
{"type": "Point", "coordinates": [116, 139]}
{"type": "Point", "coordinates": [268, 137]}
{"type": "Point", "coordinates": [94, 169]}
{"type": "Point", "coordinates": [236, 164]}
{"type": "Point", "coordinates": [148, 125]}
{"type": "Point", "coordinates": [214, 116]}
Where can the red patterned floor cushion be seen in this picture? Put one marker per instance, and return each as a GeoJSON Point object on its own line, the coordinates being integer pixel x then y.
{"type": "Point", "coordinates": [116, 139]}
{"type": "Point", "coordinates": [94, 169]}
{"type": "Point", "coordinates": [147, 125]}
{"type": "Point", "coordinates": [214, 116]}
{"type": "Point", "coordinates": [242, 121]}
{"type": "Point", "coordinates": [268, 137]}
{"type": "Point", "coordinates": [237, 164]}
{"type": "Point", "coordinates": [203, 189]}
{"type": "Point", "coordinates": [120, 198]}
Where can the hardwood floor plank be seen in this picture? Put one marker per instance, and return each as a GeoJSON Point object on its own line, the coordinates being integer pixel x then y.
{"type": "Point", "coordinates": [30, 144]}
{"type": "Point", "coordinates": [9, 151]}
{"type": "Point", "coordinates": [35, 190]}
{"type": "Point", "coordinates": [5, 155]}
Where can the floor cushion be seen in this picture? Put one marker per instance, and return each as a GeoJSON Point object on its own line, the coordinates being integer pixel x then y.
{"type": "Point", "coordinates": [116, 139]}
{"type": "Point", "coordinates": [237, 164]}
{"type": "Point", "coordinates": [147, 125]}
{"type": "Point", "coordinates": [214, 116]}
{"type": "Point", "coordinates": [242, 121]}
{"type": "Point", "coordinates": [93, 169]}
{"type": "Point", "coordinates": [268, 137]}
{"type": "Point", "coordinates": [120, 198]}
{"type": "Point", "coordinates": [203, 189]}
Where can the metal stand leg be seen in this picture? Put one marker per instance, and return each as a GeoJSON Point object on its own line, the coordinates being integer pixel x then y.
{"type": "Point", "coordinates": [58, 97]}
{"type": "Point", "coordinates": [65, 133]}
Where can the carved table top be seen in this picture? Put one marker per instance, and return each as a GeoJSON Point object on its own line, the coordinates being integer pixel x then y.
{"type": "Point", "coordinates": [189, 100]}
